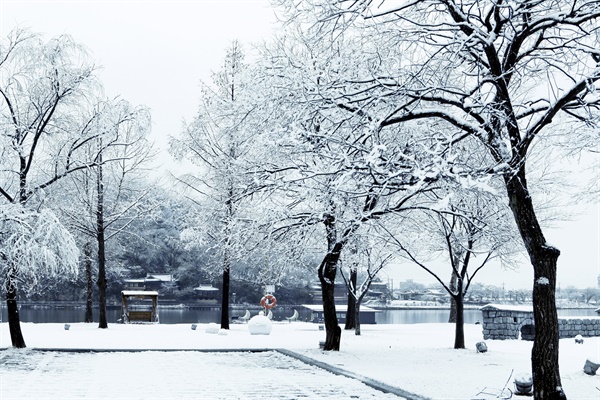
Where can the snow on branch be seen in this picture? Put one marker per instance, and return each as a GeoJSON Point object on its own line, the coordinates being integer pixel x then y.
{"type": "Point", "coordinates": [560, 104]}
{"type": "Point", "coordinates": [35, 246]}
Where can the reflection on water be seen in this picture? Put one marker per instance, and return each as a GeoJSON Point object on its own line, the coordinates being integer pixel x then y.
{"type": "Point", "coordinates": [188, 316]}
{"type": "Point", "coordinates": [423, 316]}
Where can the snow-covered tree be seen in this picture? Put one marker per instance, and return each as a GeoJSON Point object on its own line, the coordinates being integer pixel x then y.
{"type": "Point", "coordinates": [42, 85]}
{"type": "Point", "coordinates": [217, 141]}
{"type": "Point", "coordinates": [34, 247]}
{"type": "Point", "coordinates": [363, 264]}
{"type": "Point", "coordinates": [104, 201]}
{"type": "Point", "coordinates": [468, 229]}
{"type": "Point", "coordinates": [499, 73]}
{"type": "Point", "coordinates": [342, 167]}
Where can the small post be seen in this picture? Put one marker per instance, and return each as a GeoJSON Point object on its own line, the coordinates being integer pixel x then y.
{"type": "Point", "coordinates": [523, 383]}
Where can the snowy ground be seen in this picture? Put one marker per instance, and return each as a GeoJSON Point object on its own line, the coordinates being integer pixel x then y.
{"type": "Point", "coordinates": [417, 358]}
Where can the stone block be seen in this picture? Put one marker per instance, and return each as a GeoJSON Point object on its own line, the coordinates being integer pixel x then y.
{"type": "Point", "coordinates": [481, 347]}
{"type": "Point", "coordinates": [590, 367]}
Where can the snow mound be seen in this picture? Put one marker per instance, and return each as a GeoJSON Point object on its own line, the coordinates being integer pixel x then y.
{"type": "Point", "coordinates": [260, 325]}
{"type": "Point", "coordinates": [212, 328]}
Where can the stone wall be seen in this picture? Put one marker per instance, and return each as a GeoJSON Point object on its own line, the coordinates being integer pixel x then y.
{"type": "Point", "coordinates": [573, 326]}
{"type": "Point", "coordinates": [506, 322]}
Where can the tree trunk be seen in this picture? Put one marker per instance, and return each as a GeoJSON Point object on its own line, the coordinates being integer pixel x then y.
{"type": "Point", "coordinates": [87, 253]}
{"type": "Point", "coordinates": [332, 328]}
{"type": "Point", "coordinates": [102, 282]}
{"type": "Point", "coordinates": [350, 311]}
{"type": "Point", "coordinates": [453, 310]}
{"type": "Point", "coordinates": [357, 318]}
{"type": "Point", "coordinates": [14, 323]}
{"type": "Point", "coordinates": [103, 324]}
{"type": "Point", "coordinates": [327, 272]}
{"type": "Point", "coordinates": [225, 300]}
{"type": "Point", "coordinates": [544, 356]}
{"type": "Point", "coordinates": [459, 332]}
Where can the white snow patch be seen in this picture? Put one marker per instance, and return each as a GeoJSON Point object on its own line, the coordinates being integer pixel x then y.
{"type": "Point", "coordinates": [459, 374]}
{"type": "Point", "coordinates": [523, 377]}
{"type": "Point", "coordinates": [542, 281]}
{"type": "Point", "coordinates": [212, 328]}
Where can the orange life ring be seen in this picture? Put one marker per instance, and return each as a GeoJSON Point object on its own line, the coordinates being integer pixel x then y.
{"type": "Point", "coordinates": [268, 301]}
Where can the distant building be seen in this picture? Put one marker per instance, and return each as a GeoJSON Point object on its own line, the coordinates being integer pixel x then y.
{"type": "Point", "coordinates": [378, 291]}
{"type": "Point", "coordinates": [207, 293]}
{"type": "Point", "coordinates": [422, 295]}
{"type": "Point", "coordinates": [408, 294]}
{"type": "Point", "coordinates": [134, 284]}
{"type": "Point", "coordinates": [340, 293]}
{"type": "Point", "coordinates": [162, 283]}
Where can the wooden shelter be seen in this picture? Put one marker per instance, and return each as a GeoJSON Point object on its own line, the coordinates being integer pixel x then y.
{"type": "Point", "coordinates": [367, 314]}
{"type": "Point", "coordinates": [139, 306]}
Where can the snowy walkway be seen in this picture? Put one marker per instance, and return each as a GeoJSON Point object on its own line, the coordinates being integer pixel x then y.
{"type": "Point", "coordinates": [417, 358]}
{"type": "Point", "coordinates": [44, 375]}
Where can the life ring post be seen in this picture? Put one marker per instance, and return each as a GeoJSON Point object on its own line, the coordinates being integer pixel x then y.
{"type": "Point", "coordinates": [268, 301]}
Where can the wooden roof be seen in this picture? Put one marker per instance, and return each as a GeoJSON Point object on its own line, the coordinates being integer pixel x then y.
{"type": "Point", "coordinates": [141, 293]}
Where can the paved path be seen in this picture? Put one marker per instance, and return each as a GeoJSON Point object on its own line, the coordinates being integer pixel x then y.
{"type": "Point", "coordinates": [29, 374]}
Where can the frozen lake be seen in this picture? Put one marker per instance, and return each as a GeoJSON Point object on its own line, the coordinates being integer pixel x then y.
{"type": "Point", "coordinates": [184, 315]}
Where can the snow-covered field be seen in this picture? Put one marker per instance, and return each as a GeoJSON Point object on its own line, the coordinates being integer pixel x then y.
{"type": "Point", "coordinates": [418, 358]}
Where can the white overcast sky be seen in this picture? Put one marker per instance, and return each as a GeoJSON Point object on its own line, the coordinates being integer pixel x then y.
{"type": "Point", "coordinates": [155, 53]}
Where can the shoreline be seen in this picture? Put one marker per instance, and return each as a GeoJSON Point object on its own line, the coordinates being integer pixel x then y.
{"type": "Point", "coordinates": [210, 306]}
